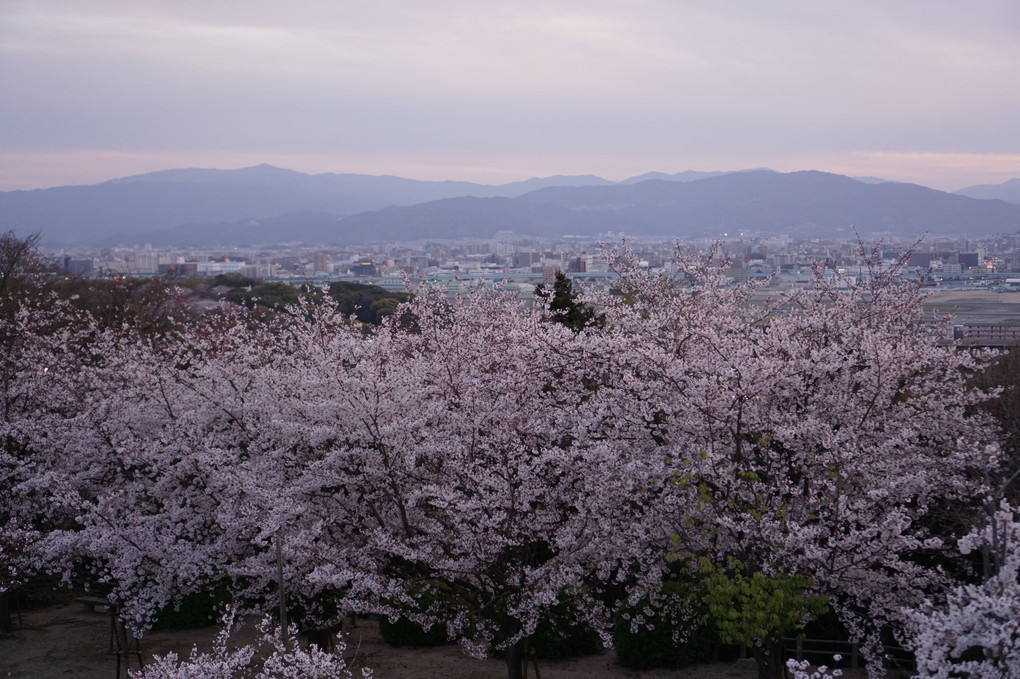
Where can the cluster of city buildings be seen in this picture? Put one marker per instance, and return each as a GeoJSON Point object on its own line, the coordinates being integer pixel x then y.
{"type": "Point", "coordinates": [990, 265]}
{"type": "Point", "coordinates": [529, 259]}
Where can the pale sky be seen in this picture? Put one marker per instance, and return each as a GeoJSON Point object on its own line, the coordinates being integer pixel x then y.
{"type": "Point", "coordinates": [925, 91]}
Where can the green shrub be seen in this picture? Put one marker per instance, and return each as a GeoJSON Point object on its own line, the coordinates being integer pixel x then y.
{"type": "Point", "coordinates": [758, 608]}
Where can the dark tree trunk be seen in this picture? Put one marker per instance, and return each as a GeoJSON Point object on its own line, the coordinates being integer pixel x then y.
{"type": "Point", "coordinates": [515, 662]}
{"type": "Point", "coordinates": [6, 623]}
{"type": "Point", "coordinates": [769, 658]}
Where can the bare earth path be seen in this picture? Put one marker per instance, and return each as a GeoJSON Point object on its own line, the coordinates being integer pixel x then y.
{"type": "Point", "coordinates": [68, 641]}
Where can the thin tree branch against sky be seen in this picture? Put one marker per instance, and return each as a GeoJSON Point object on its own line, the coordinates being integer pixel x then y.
{"type": "Point", "coordinates": [919, 90]}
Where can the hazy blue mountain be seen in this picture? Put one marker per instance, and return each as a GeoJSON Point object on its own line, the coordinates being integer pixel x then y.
{"type": "Point", "coordinates": [258, 175]}
{"type": "Point", "coordinates": [297, 227]}
{"type": "Point", "coordinates": [802, 204]}
{"type": "Point", "coordinates": [805, 204]}
{"type": "Point", "coordinates": [265, 204]}
{"type": "Point", "coordinates": [685, 176]}
{"type": "Point", "coordinates": [395, 187]}
{"type": "Point", "coordinates": [78, 215]}
{"type": "Point", "coordinates": [158, 201]}
{"type": "Point", "coordinates": [514, 189]}
{"type": "Point", "coordinates": [1008, 191]}
{"type": "Point", "coordinates": [465, 217]}
{"type": "Point", "coordinates": [468, 217]}
{"type": "Point", "coordinates": [379, 191]}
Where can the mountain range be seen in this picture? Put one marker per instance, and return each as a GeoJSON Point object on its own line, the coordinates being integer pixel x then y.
{"type": "Point", "coordinates": [265, 205]}
{"type": "Point", "coordinates": [1008, 191]}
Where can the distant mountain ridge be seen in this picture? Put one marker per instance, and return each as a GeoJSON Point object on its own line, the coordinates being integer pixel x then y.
{"type": "Point", "coordinates": [158, 201]}
{"type": "Point", "coordinates": [266, 204]}
{"type": "Point", "coordinates": [801, 204]}
{"type": "Point", "coordinates": [1008, 191]}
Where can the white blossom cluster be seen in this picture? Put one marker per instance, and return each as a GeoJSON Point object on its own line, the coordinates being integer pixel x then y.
{"type": "Point", "coordinates": [270, 658]}
{"type": "Point", "coordinates": [976, 632]}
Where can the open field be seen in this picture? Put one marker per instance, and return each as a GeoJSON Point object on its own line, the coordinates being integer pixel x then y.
{"type": "Point", "coordinates": [976, 306]}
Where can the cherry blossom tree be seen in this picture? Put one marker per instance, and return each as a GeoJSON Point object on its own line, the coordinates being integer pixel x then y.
{"type": "Point", "coordinates": [38, 336]}
{"type": "Point", "coordinates": [461, 440]}
{"type": "Point", "coordinates": [975, 633]}
{"type": "Point", "coordinates": [806, 434]}
{"type": "Point", "coordinates": [159, 462]}
{"type": "Point", "coordinates": [123, 460]}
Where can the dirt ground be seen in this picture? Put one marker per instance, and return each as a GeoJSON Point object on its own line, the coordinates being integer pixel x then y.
{"type": "Point", "coordinates": [66, 640]}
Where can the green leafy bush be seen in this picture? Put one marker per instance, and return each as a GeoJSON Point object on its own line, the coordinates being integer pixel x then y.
{"type": "Point", "coordinates": [750, 608]}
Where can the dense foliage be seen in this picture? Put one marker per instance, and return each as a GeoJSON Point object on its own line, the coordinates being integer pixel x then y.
{"type": "Point", "coordinates": [368, 303]}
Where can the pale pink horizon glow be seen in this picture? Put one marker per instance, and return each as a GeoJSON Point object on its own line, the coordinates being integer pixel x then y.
{"type": "Point", "coordinates": [944, 172]}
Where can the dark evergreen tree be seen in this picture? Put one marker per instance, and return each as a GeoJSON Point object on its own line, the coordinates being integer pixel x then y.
{"type": "Point", "coordinates": [565, 307]}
